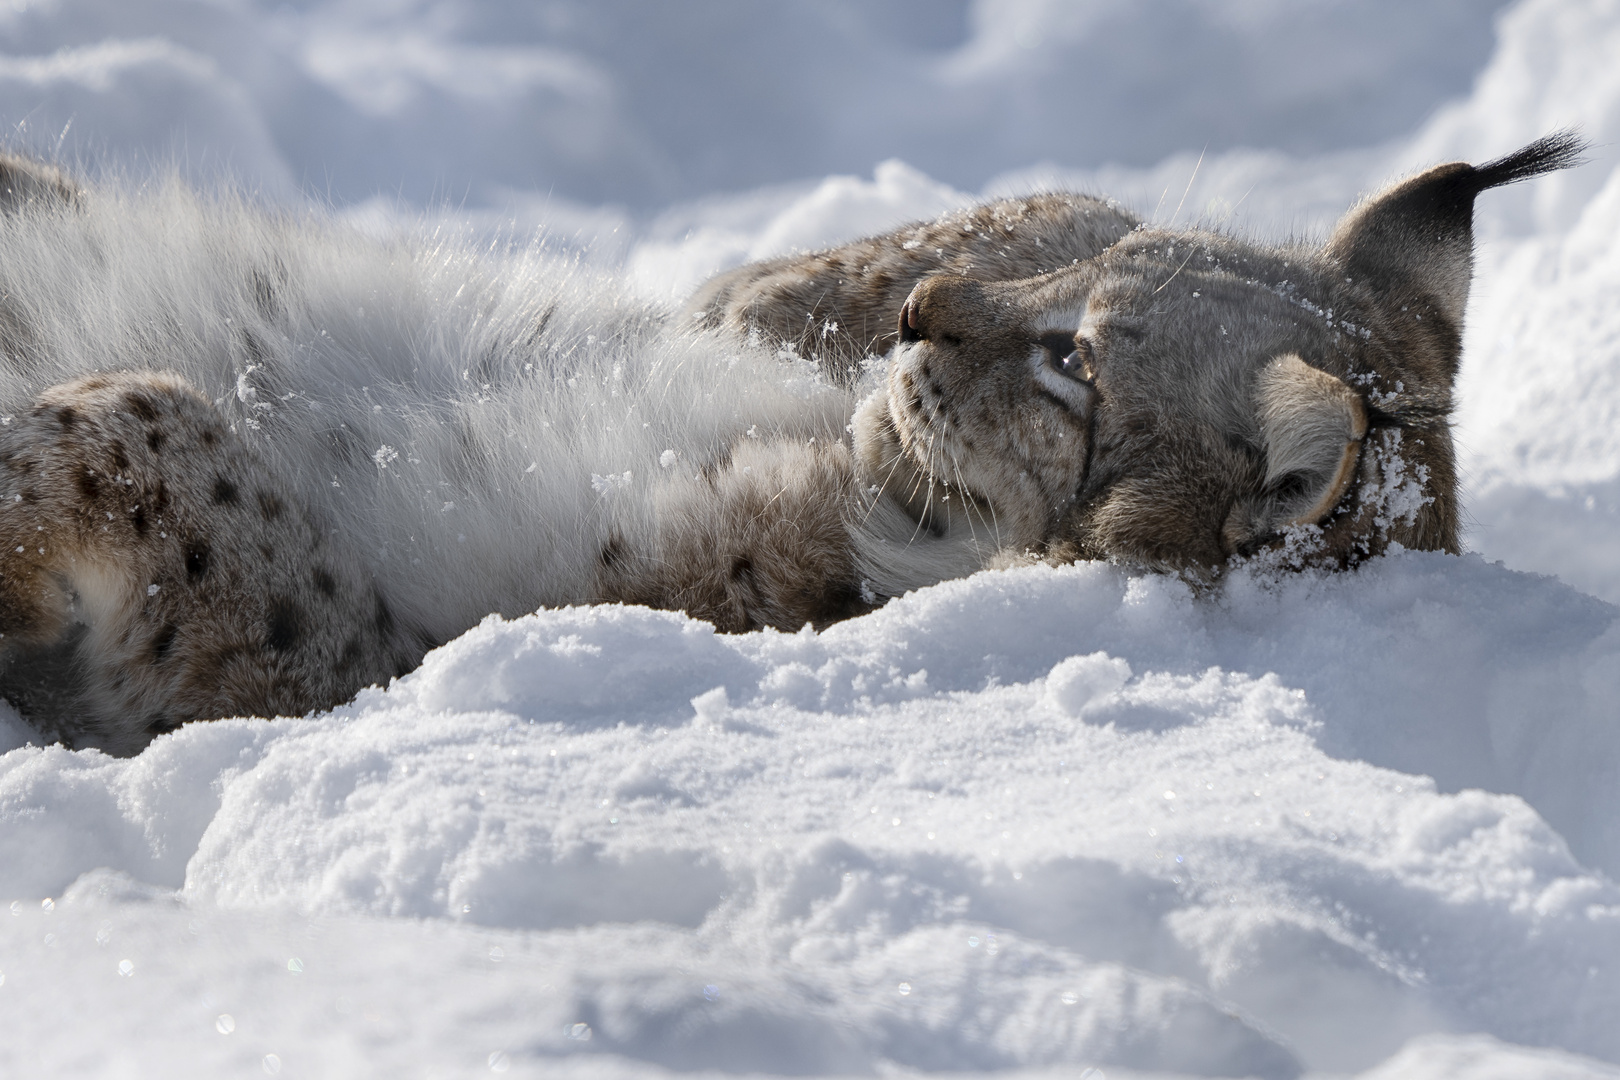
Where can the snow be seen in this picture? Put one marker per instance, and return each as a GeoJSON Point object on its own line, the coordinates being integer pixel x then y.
{"type": "Point", "coordinates": [1046, 818]}
{"type": "Point", "coordinates": [1169, 810]}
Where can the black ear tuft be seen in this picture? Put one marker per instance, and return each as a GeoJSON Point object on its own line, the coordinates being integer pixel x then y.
{"type": "Point", "coordinates": [1413, 243]}
{"type": "Point", "coordinates": [1560, 150]}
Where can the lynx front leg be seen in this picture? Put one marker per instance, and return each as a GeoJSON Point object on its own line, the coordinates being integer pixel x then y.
{"type": "Point", "coordinates": [760, 539]}
{"type": "Point", "coordinates": [152, 572]}
{"type": "Point", "coordinates": [841, 305]}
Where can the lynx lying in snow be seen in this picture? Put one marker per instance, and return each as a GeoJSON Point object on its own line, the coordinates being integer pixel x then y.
{"type": "Point", "coordinates": [250, 464]}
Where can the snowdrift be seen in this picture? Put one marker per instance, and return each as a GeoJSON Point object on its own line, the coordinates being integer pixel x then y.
{"type": "Point", "coordinates": [1048, 818]}
{"type": "Point", "coordinates": [1036, 817]}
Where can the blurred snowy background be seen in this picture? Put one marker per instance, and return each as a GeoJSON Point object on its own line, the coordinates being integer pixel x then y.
{"type": "Point", "coordinates": [1367, 824]}
{"type": "Point", "coordinates": [640, 104]}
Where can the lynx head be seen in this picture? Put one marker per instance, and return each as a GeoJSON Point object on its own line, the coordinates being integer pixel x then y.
{"type": "Point", "coordinates": [1185, 396]}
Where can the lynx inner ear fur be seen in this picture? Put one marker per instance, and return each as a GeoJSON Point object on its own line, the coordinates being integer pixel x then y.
{"type": "Point", "coordinates": [1312, 425]}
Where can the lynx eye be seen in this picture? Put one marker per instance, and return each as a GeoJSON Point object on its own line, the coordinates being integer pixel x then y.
{"type": "Point", "coordinates": [1068, 355]}
{"type": "Point", "coordinates": [1062, 365]}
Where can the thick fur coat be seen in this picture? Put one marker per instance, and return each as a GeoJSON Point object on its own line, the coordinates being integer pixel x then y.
{"type": "Point", "coordinates": [252, 463]}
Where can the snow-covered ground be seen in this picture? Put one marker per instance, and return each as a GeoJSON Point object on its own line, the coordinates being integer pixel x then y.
{"type": "Point", "coordinates": [1049, 818]}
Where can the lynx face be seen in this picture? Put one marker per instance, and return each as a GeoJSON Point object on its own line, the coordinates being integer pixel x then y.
{"type": "Point", "coordinates": [1185, 397]}
{"type": "Point", "coordinates": [1121, 405]}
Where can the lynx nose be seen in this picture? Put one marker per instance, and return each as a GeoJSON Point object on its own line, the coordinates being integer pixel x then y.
{"type": "Point", "coordinates": [947, 310]}
{"type": "Point", "coordinates": [933, 309]}
{"type": "Point", "coordinates": [908, 321]}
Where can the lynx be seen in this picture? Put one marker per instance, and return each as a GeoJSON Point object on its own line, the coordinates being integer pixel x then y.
{"type": "Point", "coordinates": [251, 463]}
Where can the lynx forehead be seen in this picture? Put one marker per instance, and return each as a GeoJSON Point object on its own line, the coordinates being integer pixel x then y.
{"type": "Point", "coordinates": [250, 464]}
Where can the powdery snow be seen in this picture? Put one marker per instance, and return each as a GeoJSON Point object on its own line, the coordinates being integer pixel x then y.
{"type": "Point", "coordinates": [1043, 819]}
{"type": "Point", "coordinates": [1099, 840]}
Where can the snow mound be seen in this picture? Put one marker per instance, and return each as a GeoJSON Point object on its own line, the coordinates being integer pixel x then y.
{"type": "Point", "coordinates": [1030, 817]}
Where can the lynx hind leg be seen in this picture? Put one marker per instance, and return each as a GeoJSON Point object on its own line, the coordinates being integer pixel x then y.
{"type": "Point", "coordinates": [155, 563]}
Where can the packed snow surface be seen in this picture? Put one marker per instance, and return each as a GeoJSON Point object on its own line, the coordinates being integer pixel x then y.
{"type": "Point", "coordinates": [1035, 820]}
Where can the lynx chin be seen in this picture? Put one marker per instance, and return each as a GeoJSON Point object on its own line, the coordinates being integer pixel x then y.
{"type": "Point", "coordinates": [253, 462]}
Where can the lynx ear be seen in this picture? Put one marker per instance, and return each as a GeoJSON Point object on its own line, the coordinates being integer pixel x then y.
{"type": "Point", "coordinates": [1414, 242]}
{"type": "Point", "coordinates": [1312, 425]}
